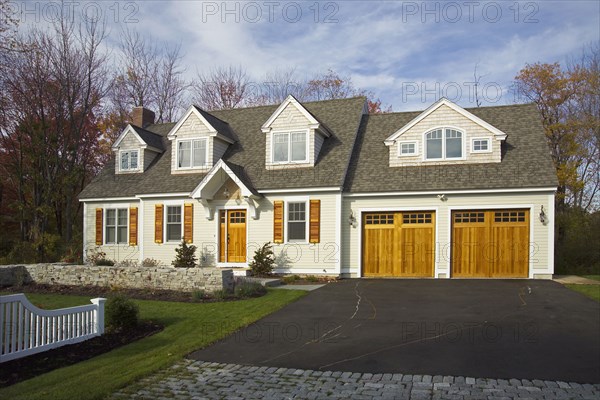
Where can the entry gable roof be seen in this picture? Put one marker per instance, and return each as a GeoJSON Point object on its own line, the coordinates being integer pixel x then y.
{"type": "Point", "coordinates": [499, 135]}
{"type": "Point", "coordinates": [214, 179]}
{"type": "Point", "coordinates": [215, 126]}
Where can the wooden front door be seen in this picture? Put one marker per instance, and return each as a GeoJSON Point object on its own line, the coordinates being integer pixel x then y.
{"type": "Point", "coordinates": [232, 236]}
{"type": "Point", "coordinates": [399, 244]}
{"type": "Point", "coordinates": [490, 244]}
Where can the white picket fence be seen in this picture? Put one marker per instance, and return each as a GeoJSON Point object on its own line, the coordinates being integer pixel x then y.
{"type": "Point", "coordinates": [26, 329]}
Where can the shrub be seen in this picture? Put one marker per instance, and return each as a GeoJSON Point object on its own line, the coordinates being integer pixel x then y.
{"type": "Point", "coordinates": [290, 278]}
{"type": "Point", "coordinates": [312, 278]}
{"type": "Point", "coordinates": [128, 264]}
{"type": "Point", "coordinates": [151, 263]}
{"type": "Point", "coordinates": [105, 262]}
{"type": "Point", "coordinates": [198, 295]}
{"type": "Point", "coordinates": [185, 256]}
{"type": "Point", "coordinates": [220, 295]}
{"type": "Point", "coordinates": [262, 264]}
{"type": "Point", "coordinates": [249, 289]}
{"type": "Point", "coordinates": [93, 255]}
{"type": "Point", "coordinates": [121, 313]}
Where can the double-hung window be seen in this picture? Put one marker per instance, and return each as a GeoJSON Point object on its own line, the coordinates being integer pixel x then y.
{"type": "Point", "coordinates": [115, 226]}
{"type": "Point", "coordinates": [443, 143]}
{"type": "Point", "coordinates": [289, 147]}
{"type": "Point", "coordinates": [129, 160]}
{"type": "Point", "coordinates": [173, 223]}
{"type": "Point", "coordinates": [296, 221]}
{"type": "Point", "coordinates": [192, 153]}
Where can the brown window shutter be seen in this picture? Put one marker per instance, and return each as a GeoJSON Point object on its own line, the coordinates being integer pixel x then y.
{"type": "Point", "coordinates": [133, 226]}
{"type": "Point", "coordinates": [158, 223]}
{"type": "Point", "coordinates": [188, 223]}
{"type": "Point", "coordinates": [99, 227]}
{"type": "Point", "coordinates": [278, 221]}
{"type": "Point", "coordinates": [315, 221]}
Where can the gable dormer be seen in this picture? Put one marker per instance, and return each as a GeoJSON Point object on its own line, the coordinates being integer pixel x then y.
{"type": "Point", "coordinates": [199, 140]}
{"type": "Point", "coordinates": [445, 133]}
{"type": "Point", "coordinates": [294, 136]}
{"type": "Point", "coordinates": [135, 149]}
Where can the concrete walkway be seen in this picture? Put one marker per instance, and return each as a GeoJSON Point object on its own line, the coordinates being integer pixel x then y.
{"type": "Point", "coordinates": [203, 380]}
{"type": "Point", "coordinates": [575, 280]}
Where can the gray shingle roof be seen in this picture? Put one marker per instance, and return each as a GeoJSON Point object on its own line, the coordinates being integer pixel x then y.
{"type": "Point", "coordinates": [247, 156]}
{"type": "Point", "coordinates": [151, 138]}
{"type": "Point", "coordinates": [525, 162]}
{"type": "Point", "coordinates": [221, 126]}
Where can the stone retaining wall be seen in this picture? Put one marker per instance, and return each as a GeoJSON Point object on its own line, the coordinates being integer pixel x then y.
{"type": "Point", "coordinates": [180, 279]}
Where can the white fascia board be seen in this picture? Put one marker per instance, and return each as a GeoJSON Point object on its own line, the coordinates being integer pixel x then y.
{"type": "Point", "coordinates": [266, 128]}
{"type": "Point", "coordinates": [474, 191]}
{"type": "Point", "coordinates": [152, 195]}
{"type": "Point", "coordinates": [498, 134]}
{"type": "Point", "coordinates": [302, 190]}
{"type": "Point", "coordinates": [105, 199]}
{"type": "Point", "coordinates": [191, 110]}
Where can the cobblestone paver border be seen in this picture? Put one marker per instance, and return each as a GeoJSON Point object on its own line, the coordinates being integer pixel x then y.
{"type": "Point", "coordinates": [205, 380]}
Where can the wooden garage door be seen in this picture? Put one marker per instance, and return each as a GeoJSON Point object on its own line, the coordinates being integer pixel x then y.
{"type": "Point", "coordinates": [490, 244]}
{"type": "Point", "coordinates": [398, 244]}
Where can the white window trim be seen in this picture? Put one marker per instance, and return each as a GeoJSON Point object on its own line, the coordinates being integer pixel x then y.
{"type": "Point", "coordinates": [444, 158]}
{"type": "Point", "coordinates": [306, 219]}
{"type": "Point", "coordinates": [191, 140]}
{"type": "Point", "coordinates": [121, 152]}
{"type": "Point", "coordinates": [104, 226]}
{"type": "Point", "coordinates": [415, 142]}
{"type": "Point", "coordinates": [165, 218]}
{"type": "Point", "coordinates": [489, 145]}
{"type": "Point", "coordinates": [289, 133]}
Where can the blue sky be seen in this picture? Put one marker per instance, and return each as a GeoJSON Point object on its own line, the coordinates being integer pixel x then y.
{"type": "Point", "coordinates": [409, 53]}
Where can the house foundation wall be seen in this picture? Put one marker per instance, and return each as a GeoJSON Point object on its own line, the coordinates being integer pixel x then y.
{"type": "Point", "coordinates": [179, 279]}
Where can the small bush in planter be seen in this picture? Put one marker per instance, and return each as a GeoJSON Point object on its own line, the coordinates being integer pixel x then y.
{"type": "Point", "coordinates": [121, 313]}
{"type": "Point", "coordinates": [105, 262]}
{"type": "Point", "coordinates": [249, 289]}
{"type": "Point", "coordinates": [263, 262]}
{"type": "Point", "coordinates": [185, 256]}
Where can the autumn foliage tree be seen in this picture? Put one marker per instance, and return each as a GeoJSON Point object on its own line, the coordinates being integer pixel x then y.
{"type": "Point", "coordinates": [48, 131]}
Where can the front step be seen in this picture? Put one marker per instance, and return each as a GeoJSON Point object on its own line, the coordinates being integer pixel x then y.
{"type": "Point", "coordinates": [238, 271]}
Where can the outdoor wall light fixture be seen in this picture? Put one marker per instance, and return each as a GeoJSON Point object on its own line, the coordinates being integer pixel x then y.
{"type": "Point", "coordinates": [543, 216]}
{"type": "Point", "coordinates": [352, 220]}
{"type": "Point", "coordinates": [442, 197]}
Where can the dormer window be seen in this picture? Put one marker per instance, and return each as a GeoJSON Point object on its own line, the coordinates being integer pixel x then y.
{"type": "Point", "coordinates": [129, 160]}
{"type": "Point", "coordinates": [443, 143]}
{"type": "Point", "coordinates": [290, 147]}
{"type": "Point", "coordinates": [192, 153]}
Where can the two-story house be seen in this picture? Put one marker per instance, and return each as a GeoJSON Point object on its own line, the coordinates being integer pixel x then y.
{"type": "Point", "coordinates": [447, 192]}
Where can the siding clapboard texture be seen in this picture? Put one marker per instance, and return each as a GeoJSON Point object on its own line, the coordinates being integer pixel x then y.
{"type": "Point", "coordinates": [446, 117]}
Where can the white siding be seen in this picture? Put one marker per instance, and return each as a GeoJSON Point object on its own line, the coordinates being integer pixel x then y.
{"type": "Point", "coordinates": [304, 258]}
{"type": "Point", "coordinates": [114, 252]}
{"type": "Point", "coordinates": [540, 258]}
{"type": "Point", "coordinates": [219, 147]}
{"type": "Point", "coordinates": [445, 117]}
{"type": "Point", "coordinates": [148, 156]}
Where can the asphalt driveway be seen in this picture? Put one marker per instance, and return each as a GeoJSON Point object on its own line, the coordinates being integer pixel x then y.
{"type": "Point", "coordinates": [481, 328]}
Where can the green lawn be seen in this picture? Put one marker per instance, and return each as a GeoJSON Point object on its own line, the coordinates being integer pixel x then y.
{"type": "Point", "coordinates": [591, 291]}
{"type": "Point", "coordinates": [188, 327]}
